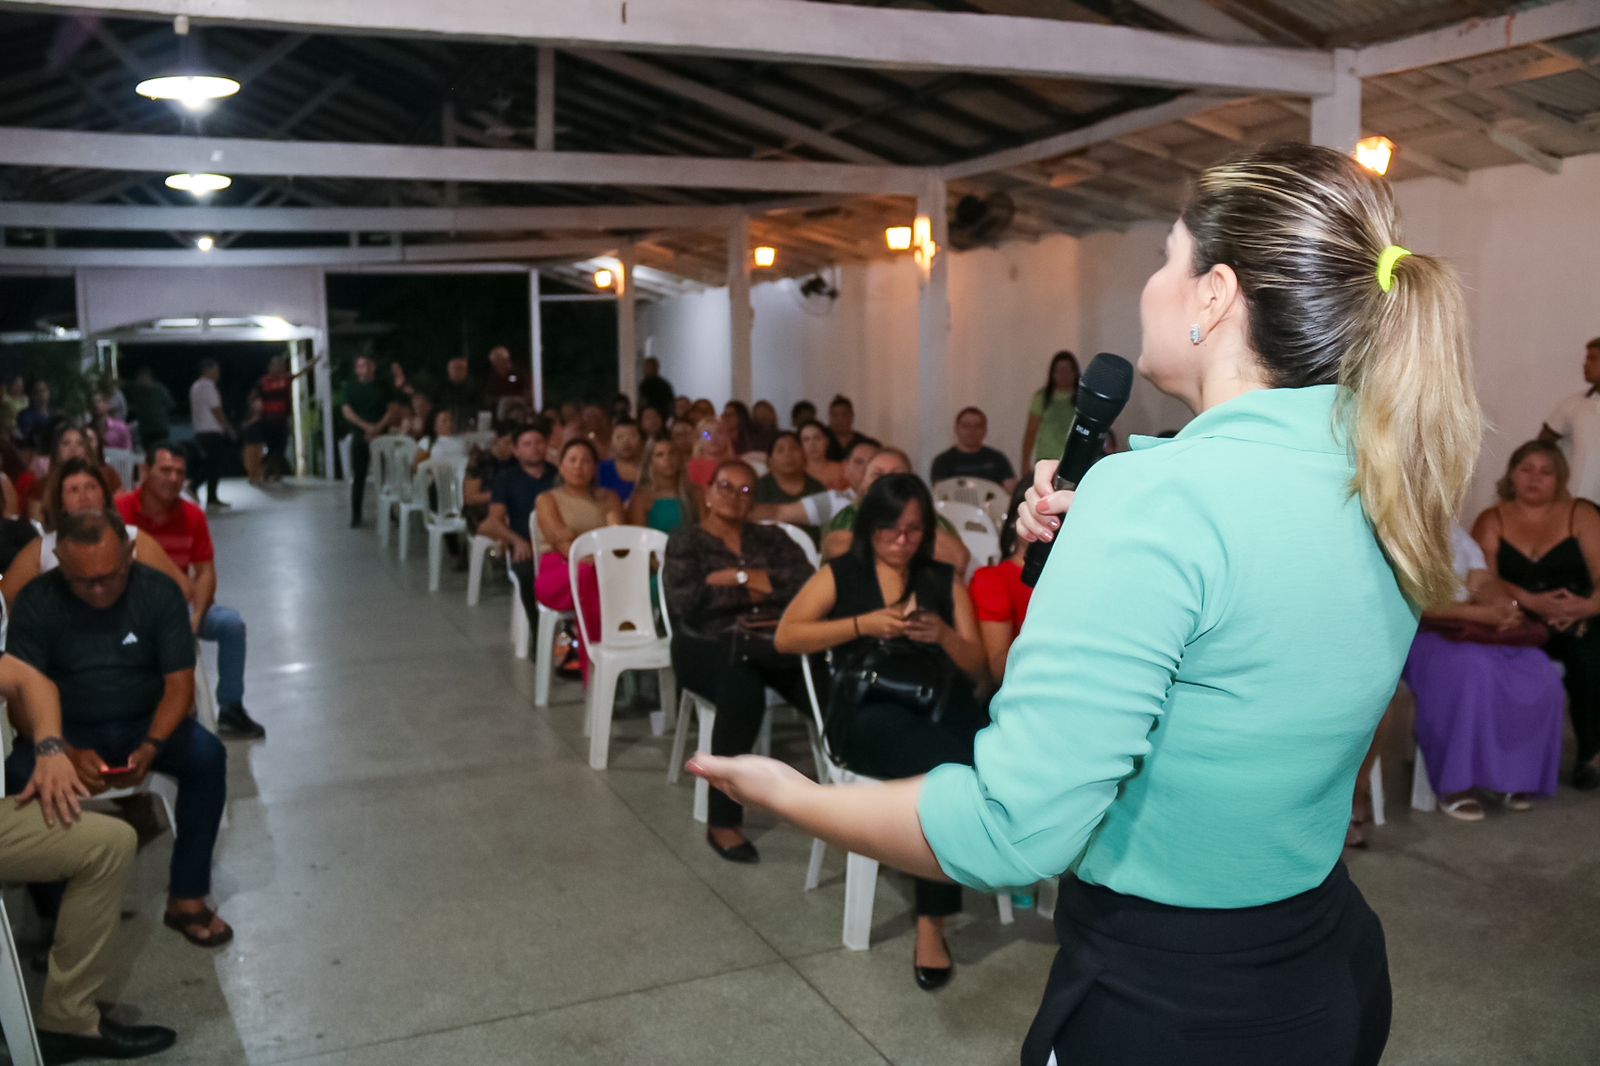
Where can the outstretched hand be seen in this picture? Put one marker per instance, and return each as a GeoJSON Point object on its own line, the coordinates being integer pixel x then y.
{"type": "Point", "coordinates": [753, 780]}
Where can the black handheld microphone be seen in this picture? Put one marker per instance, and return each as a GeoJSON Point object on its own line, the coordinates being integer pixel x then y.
{"type": "Point", "coordinates": [1102, 394]}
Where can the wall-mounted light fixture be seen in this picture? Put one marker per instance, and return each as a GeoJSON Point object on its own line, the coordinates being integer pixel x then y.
{"type": "Point", "coordinates": [765, 255]}
{"type": "Point", "coordinates": [1375, 153]}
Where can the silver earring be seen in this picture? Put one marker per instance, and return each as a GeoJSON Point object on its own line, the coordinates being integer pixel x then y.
{"type": "Point", "coordinates": [1194, 334]}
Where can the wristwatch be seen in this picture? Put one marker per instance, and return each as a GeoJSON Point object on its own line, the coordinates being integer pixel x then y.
{"type": "Point", "coordinates": [50, 746]}
{"type": "Point", "coordinates": [742, 576]}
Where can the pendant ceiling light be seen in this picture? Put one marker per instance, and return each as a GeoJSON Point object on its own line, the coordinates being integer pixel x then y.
{"type": "Point", "coordinates": [192, 85]}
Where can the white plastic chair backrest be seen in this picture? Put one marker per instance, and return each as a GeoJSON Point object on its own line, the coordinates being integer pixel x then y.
{"type": "Point", "coordinates": [802, 541]}
{"type": "Point", "coordinates": [758, 460]}
{"type": "Point", "coordinates": [622, 559]}
{"type": "Point", "coordinates": [977, 491]}
{"type": "Point", "coordinates": [976, 529]}
{"type": "Point", "coordinates": [124, 462]}
{"type": "Point", "coordinates": [447, 476]}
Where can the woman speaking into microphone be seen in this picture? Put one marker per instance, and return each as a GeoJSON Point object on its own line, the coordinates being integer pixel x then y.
{"type": "Point", "coordinates": [1206, 657]}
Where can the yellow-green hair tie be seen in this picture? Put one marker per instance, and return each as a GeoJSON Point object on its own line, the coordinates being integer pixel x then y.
{"type": "Point", "coordinates": [1391, 255]}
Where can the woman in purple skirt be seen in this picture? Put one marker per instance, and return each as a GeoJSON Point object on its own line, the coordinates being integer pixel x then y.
{"type": "Point", "coordinates": [1488, 715]}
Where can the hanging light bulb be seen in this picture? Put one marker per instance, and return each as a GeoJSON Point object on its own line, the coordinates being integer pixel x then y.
{"type": "Point", "coordinates": [1375, 153]}
{"type": "Point", "coordinates": [198, 184]}
{"type": "Point", "coordinates": [603, 278]}
{"type": "Point", "coordinates": [765, 255]}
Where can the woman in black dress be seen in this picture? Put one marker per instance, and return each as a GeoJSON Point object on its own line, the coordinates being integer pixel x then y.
{"type": "Point", "coordinates": [888, 587]}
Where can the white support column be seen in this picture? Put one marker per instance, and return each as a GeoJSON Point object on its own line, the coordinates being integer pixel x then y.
{"type": "Point", "coordinates": [544, 105]}
{"type": "Point", "coordinates": [324, 377]}
{"type": "Point", "coordinates": [627, 324]}
{"type": "Point", "coordinates": [933, 332]}
{"type": "Point", "coordinates": [535, 341]}
{"type": "Point", "coordinates": [741, 316]}
{"type": "Point", "coordinates": [1336, 117]}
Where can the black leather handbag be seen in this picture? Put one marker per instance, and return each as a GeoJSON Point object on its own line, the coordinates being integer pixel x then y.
{"type": "Point", "coordinates": [903, 672]}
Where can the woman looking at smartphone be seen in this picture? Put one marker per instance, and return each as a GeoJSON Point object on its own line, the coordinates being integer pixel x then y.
{"type": "Point", "coordinates": [888, 587]}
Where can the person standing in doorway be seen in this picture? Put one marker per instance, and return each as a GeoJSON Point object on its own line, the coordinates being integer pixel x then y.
{"type": "Point", "coordinates": [654, 390]}
{"type": "Point", "coordinates": [276, 389]}
{"type": "Point", "coordinates": [211, 431]}
{"type": "Point", "coordinates": [1575, 425]}
{"type": "Point", "coordinates": [367, 412]}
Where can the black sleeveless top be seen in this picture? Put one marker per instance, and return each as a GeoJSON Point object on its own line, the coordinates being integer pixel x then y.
{"type": "Point", "coordinates": [1562, 567]}
{"type": "Point", "coordinates": [857, 592]}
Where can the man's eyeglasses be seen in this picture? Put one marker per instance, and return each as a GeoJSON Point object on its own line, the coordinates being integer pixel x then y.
{"type": "Point", "coordinates": [724, 485]}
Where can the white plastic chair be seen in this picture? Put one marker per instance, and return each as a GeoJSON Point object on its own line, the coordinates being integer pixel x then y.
{"type": "Point", "coordinates": [16, 1017]}
{"type": "Point", "coordinates": [393, 457]}
{"type": "Point", "coordinates": [479, 548]}
{"type": "Point", "coordinates": [758, 461]}
{"type": "Point", "coordinates": [977, 531]}
{"type": "Point", "coordinates": [1422, 795]}
{"type": "Point", "coordinates": [427, 475]}
{"type": "Point", "coordinates": [550, 621]}
{"type": "Point", "coordinates": [442, 516]}
{"type": "Point", "coordinates": [124, 462]}
{"type": "Point", "coordinates": [991, 498]}
{"type": "Point", "coordinates": [627, 639]}
{"type": "Point", "coordinates": [860, 872]}
{"type": "Point", "coordinates": [802, 541]}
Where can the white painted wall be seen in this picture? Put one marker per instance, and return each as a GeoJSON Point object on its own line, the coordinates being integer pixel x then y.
{"type": "Point", "coordinates": [1527, 244]}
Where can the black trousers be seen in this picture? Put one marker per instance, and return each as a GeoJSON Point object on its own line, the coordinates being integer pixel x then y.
{"type": "Point", "coordinates": [888, 741]}
{"type": "Point", "coordinates": [275, 435]}
{"type": "Point", "coordinates": [706, 668]}
{"type": "Point", "coordinates": [527, 574]}
{"type": "Point", "coordinates": [360, 464]}
{"type": "Point", "coordinates": [1303, 981]}
{"type": "Point", "coordinates": [1580, 654]}
{"type": "Point", "coordinates": [209, 448]}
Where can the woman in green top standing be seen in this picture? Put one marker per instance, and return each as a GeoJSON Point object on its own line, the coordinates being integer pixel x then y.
{"type": "Point", "coordinates": [1051, 413]}
{"type": "Point", "coordinates": [1204, 663]}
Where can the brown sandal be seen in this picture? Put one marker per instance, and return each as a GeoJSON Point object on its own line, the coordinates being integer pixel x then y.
{"type": "Point", "coordinates": [196, 927]}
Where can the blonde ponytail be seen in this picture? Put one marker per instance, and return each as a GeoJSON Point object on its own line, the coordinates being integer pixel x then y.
{"type": "Point", "coordinates": [1304, 229]}
{"type": "Point", "coordinates": [1411, 410]}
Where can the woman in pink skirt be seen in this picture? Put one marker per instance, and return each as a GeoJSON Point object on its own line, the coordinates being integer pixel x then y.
{"type": "Point", "coordinates": [564, 514]}
{"type": "Point", "coordinates": [1488, 715]}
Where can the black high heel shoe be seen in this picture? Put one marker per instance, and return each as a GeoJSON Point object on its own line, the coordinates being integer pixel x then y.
{"type": "Point", "coordinates": [745, 852]}
{"type": "Point", "coordinates": [932, 978]}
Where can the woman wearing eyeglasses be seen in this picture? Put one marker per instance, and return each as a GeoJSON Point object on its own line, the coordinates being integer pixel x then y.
{"type": "Point", "coordinates": [888, 587]}
{"type": "Point", "coordinates": [726, 580]}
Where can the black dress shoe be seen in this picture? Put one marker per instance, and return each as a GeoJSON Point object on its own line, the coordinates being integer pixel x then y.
{"type": "Point", "coordinates": [931, 978]}
{"type": "Point", "coordinates": [114, 1042]}
{"type": "Point", "coordinates": [234, 721]}
{"type": "Point", "coordinates": [745, 852]}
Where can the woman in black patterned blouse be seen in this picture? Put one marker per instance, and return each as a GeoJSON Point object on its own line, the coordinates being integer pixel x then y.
{"type": "Point", "coordinates": [716, 572]}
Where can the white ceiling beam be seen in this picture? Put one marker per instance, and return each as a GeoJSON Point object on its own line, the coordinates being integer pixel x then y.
{"type": "Point", "coordinates": [1199, 17]}
{"type": "Point", "coordinates": [332, 159]}
{"type": "Point", "coordinates": [786, 31]}
{"type": "Point", "coordinates": [1475, 37]}
{"type": "Point", "coordinates": [358, 219]}
{"type": "Point", "coordinates": [1129, 122]}
{"type": "Point", "coordinates": [481, 252]}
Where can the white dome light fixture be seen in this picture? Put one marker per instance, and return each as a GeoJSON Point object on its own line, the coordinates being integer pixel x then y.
{"type": "Point", "coordinates": [193, 91]}
{"type": "Point", "coordinates": [198, 184]}
{"type": "Point", "coordinates": [206, 243]}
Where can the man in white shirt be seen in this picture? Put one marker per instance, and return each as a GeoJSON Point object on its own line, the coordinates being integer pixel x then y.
{"type": "Point", "coordinates": [1575, 424]}
{"type": "Point", "coordinates": [211, 431]}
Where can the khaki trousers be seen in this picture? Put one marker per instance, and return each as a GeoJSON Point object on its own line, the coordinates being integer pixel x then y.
{"type": "Point", "coordinates": [95, 859]}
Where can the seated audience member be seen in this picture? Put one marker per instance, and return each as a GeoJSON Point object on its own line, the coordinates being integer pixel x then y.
{"type": "Point", "coordinates": [1545, 547]}
{"type": "Point", "coordinates": [400, 384]}
{"type": "Point", "coordinates": [514, 495]}
{"type": "Point", "coordinates": [564, 514]}
{"type": "Point", "coordinates": [114, 636]}
{"type": "Point", "coordinates": [418, 421]}
{"type": "Point", "coordinates": [47, 838]}
{"type": "Point", "coordinates": [621, 407]}
{"type": "Point", "coordinates": [1488, 716]}
{"type": "Point", "coordinates": [701, 410]}
{"type": "Point", "coordinates": [821, 508]}
{"type": "Point", "coordinates": [486, 464]}
{"type": "Point", "coordinates": [736, 420]}
{"type": "Point", "coordinates": [15, 536]}
{"type": "Point", "coordinates": [596, 426]}
{"type": "Point", "coordinates": [113, 431]}
{"type": "Point", "coordinates": [842, 429]}
{"type": "Point", "coordinates": [96, 453]}
{"type": "Point", "coordinates": [999, 598]}
{"type": "Point", "coordinates": [717, 572]}
{"type": "Point", "coordinates": [683, 439]}
{"type": "Point", "coordinates": [181, 529]}
{"type": "Point", "coordinates": [444, 440]}
{"type": "Point", "coordinates": [664, 498]}
{"type": "Point", "coordinates": [802, 412]}
{"type": "Point", "coordinates": [69, 442]}
{"type": "Point", "coordinates": [888, 587]}
{"type": "Point", "coordinates": [78, 486]}
{"type": "Point", "coordinates": [840, 529]}
{"type": "Point", "coordinates": [970, 457]}
{"type": "Point", "coordinates": [34, 420]}
{"type": "Point", "coordinates": [651, 424]}
{"type": "Point", "coordinates": [814, 441]}
{"type": "Point", "coordinates": [713, 447]}
{"type": "Point", "coordinates": [681, 406]}
{"type": "Point", "coordinates": [459, 392]}
{"type": "Point", "coordinates": [621, 472]}
{"type": "Point", "coordinates": [763, 428]}
{"type": "Point", "coordinates": [786, 479]}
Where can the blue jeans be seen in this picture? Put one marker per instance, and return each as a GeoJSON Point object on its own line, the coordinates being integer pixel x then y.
{"type": "Point", "coordinates": [192, 755]}
{"type": "Point", "coordinates": [224, 626]}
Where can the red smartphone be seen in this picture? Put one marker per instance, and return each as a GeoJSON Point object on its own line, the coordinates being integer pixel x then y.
{"type": "Point", "coordinates": [116, 771]}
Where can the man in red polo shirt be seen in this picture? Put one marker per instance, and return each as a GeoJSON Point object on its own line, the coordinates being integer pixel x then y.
{"type": "Point", "coordinates": [180, 527]}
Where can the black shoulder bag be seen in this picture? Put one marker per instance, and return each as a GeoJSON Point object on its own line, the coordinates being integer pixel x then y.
{"type": "Point", "coordinates": [903, 672]}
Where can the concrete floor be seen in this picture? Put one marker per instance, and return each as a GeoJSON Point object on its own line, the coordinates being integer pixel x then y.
{"type": "Point", "coordinates": [422, 868]}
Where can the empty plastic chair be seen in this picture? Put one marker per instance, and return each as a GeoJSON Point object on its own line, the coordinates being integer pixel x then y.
{"type": "Point", "coordinates": [441, 515]}
{"type": "Point", "coordinates": [624, 559]}
{"type": "Point", "coordinates": [394, 457]}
